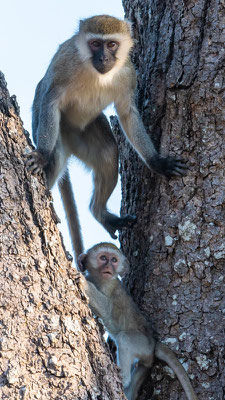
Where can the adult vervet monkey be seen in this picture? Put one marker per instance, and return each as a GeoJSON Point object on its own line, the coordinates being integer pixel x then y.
{"type": "Point", "coordinates": [88, 72]}
{"type": "Point", "coordinates": [108, 299]}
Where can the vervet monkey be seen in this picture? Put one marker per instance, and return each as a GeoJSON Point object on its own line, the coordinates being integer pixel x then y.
{"type": "Point", "coordinates": [134, 338]}
{"type": "Point", "coordinates": [89, 71]}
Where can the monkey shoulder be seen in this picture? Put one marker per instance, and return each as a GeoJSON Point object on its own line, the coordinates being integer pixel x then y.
{"type": "Point", "coordinates": [125, 94]}
{"type": "Point", "coordinates": [133, 77]}
{"type": "Point", "coordinates": [127, 76]}
{"type": "Point", "coordinates": [62, 64]}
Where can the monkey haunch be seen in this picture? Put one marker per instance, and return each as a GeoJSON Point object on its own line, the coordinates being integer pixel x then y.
{"type": "Point", "coordinates": [90, 71]}
{"type": "Point", "coordinates": [109, 300]}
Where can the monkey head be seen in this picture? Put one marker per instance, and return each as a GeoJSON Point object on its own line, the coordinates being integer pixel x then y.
{"type": "Point", "coordinates": [103, 261]}
{"type": "Point", "coordinates": [105, 42]}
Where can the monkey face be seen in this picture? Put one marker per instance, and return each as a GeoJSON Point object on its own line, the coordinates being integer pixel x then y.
{"type": "Point", "coordinates": [104, 261]}
{"type": "Point", "coordinates": [107, 264]}
{"type": "Point", "coordinates": [103, 54]}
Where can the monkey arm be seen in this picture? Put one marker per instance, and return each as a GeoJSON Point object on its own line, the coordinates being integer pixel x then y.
{"type": "Point", "coordinates": [48, 126]}
{"type": "Point", "coordinates": [46, 119]}
{"type": "Point", "coordinates": [98, 301]}
{"type": "Point", "coordinates": [134, 129]}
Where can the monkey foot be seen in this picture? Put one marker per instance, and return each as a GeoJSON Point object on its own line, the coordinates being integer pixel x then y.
{"type": "Point", "coordinates": [113, 223]}
{"type": "Point", "coordinates": [127, 221]}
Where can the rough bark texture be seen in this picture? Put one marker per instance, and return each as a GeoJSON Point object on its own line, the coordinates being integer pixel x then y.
{"type": "Point", "coordinates": [50, 347]}
{"type": "Point", "coordinates": [177, 247]}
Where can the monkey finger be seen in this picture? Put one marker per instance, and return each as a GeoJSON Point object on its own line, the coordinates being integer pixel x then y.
{"type": "Point", "coordinates": [37, 170]}
{"type": "Point", "coordinates": [181, 163]}
{"type": "Point", "coordinates": [27, 155]}
{"type": "Point", "coordinates": [176, 169]}
{"type": "Point", "coordinates": [81, 282]}
{"type": "Point", "coordinates": [174, 173]}
{"type": "Point", "coordinates": [181, 171]}
{"type": "Point", "coordinates": [113, 235]}
{"type": "Point", "coordinates": [31, 156]}
{"type": "Point", "coordinates": [34, 168]}
{"type": "Point", "coordinates": [75, 276]}
{"type": "Point", "coordinates": [32, 165]}
{"type": "Point", "coordinates": [30, 161]}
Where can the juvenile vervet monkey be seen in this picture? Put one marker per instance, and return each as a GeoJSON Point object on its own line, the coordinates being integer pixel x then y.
{"type": "Point", "coordinates": [134, 338]}
{"type": "Point", "coordinates": [88, 72]}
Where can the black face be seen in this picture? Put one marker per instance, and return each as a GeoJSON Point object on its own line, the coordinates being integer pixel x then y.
{"type": "Point", "coordinates": [104, 54]}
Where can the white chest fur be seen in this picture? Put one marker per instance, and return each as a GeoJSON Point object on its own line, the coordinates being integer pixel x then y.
{"type": "Point", "coordinates": [86, 96]}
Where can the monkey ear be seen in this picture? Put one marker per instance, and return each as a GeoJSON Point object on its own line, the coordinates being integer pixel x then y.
{"type": "Point", "coordinates": [126, 267]}
{"type": "Point", "coordinates": [81, 262]}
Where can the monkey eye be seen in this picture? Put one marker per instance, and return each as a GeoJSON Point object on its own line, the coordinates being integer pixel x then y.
{"type": "Point", "coordinates": [95, 44]}
{"type": "Point", "coordinates": [103, 258]}
{"type": "Point", "coordinates": [112, 45]}
{"type": "Point", "coordinates": [114, 259]}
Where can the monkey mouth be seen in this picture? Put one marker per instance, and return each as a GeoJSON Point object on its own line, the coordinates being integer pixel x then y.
{"type": "Point", "coordinates": [107, 273]}
{"type": "Point", "coordinates": [103, 69]}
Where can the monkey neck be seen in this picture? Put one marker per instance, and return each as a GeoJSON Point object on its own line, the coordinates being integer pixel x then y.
{"type": "Point", "coordinates": [105, 286]}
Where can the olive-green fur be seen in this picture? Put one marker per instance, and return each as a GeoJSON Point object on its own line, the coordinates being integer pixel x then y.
{"type": "Point", "coordinates": [103, 244]}
{"type": "Point", "coordinates": [104, 24]}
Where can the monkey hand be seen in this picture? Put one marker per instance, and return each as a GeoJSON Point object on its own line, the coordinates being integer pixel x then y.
{"type": "Point", "coordinates": [83, 284]}
{"type": "Point", "coordinates": [35, 162]}
{"type": "Point", "coordinates": [76, 276]}
{"type": "Point", "coordinates": [169, 166]}
{"type": "Point", "coordinates": [79, 279]}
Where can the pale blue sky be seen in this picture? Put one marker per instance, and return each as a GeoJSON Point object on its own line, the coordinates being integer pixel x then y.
{"type": "Point", "coordinates": [30, 33]}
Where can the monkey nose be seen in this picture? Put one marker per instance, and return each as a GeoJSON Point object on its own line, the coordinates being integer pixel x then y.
{"type": "Point", "coordinates": [104, 59]}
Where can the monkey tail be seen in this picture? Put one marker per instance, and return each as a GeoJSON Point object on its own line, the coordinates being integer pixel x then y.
{"type": "Point", "coordinates": [70, 206]}
{"type": "Point", "coordinates": [163, 353]}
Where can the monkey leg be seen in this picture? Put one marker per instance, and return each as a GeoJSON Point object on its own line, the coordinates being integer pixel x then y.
{"type": "Point", "coordinates": [101, 154]}
{"type": "Point", "coordinates": [104, 186]}
{"type": "Point", "coordinates": [125, 357]}
{"type": "Point", "coordinates": [138, 377]}
{"type": "Point", "coordinates": [133, 346]}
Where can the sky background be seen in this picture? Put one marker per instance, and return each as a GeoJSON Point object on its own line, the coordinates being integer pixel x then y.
{"type": "Point", "coordinates": [30, 33]}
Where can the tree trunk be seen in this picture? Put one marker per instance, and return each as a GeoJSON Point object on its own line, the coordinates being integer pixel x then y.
{"type": "Point", "coordinates": [50, 347]}
{"type": "Point", "coordinates": [177, 246]}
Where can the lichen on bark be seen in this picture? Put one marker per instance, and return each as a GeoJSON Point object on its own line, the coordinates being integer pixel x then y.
{"type": "Point", "coordinates": [176, 248]}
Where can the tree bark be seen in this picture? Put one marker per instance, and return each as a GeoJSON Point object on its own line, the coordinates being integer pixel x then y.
{"type": "Point", "coordinates": [50, 347]}
{"type": "Point", "coordinates": [177, 246]}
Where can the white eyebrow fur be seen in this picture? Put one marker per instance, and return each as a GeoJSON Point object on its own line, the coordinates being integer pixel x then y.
{"type": "Point", "coordinates": [108, 249]}
{"type": "Point", "coordinates": [111, 36]}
